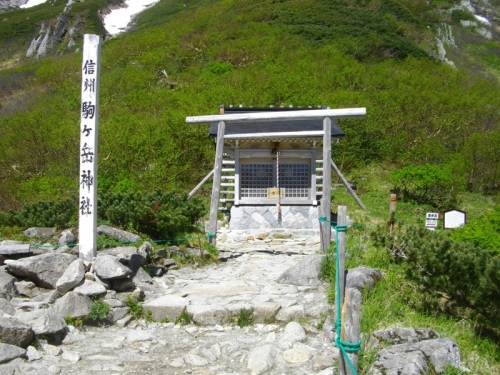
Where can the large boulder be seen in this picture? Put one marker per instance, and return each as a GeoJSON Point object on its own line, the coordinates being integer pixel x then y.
{"type": "Point", "coordinates": [43, 321]}
{"type": "Point", "coordinates": [107, 267]}
{"type": "Point", "coordinates": [15, 332]}
{"type": "Point", "coordinates": [74, 305]}
{"type": "Point", "coordinates": [72, 277]}
{"type": "Point", "coordinates": [306, 272]}
{"type": "Point", "coordinates": [44, 270]}
{"type": "Point", "coordinates": [418, 358]}
{"type": "Point", "coordinates": [118, 234]}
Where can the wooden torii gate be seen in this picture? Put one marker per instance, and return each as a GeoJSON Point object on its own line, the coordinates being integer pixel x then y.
{"type": "Point", "coordinates": [328, 116]}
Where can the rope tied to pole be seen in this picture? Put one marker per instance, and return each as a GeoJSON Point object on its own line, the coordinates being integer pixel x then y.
{"type": "Point", "coordinates": [344, 346]}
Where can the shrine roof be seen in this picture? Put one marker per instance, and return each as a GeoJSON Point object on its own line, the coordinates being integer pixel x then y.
{"type": "Point", "coordinates": [303, 128]}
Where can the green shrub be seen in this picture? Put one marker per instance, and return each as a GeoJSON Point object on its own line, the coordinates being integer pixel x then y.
{"type": "Point", "coordinates": [245, 318]}
{"type": "Point", "coordinates": [60, 213]}
{"type": "Point", "coordinates": [184, 318]}
{"type": "Point", "coordinates": [427, 184]}
{"type": "Point", "coordinates": [156, 214]}
{"type": "Point", "coordinates": [134, 307]}
{"type": "Point", "coordinates": [458, 278]}
{"type": "Point", "coordinates": [99, 311]}
{"type": "Point", "coordinates": [483, 232]}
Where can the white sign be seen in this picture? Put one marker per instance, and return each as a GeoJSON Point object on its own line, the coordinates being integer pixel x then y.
{"type": "Point", "coordinates": [87, 225]}
{"type": "Point", "coordinates": [454, 219]}
{"type": "Point", "coordinates": [431, 219]}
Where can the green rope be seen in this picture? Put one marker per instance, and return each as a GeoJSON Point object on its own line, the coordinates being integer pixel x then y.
{"type": "Point", "coordinates": [344, 346]}
{"type": "Point", "coordinates": [211, 235]}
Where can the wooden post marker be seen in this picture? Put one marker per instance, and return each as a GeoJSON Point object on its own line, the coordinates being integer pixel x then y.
{"type": "Point", "coordinates": [89, 120]}
{"type": "Point", "coordinates": [214, 203]}
{"type": "Point", "coordinates": [326, 230]}
{"type": "Point", "coordinates": [392, 212]}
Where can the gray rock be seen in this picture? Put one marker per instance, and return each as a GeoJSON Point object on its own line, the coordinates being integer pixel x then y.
{"type": "Point", "coordinates": [8, 288]}
{"type": "Point", "coordinates": [13, 251]}
{"type": "Point", "coordinates": [73, 276]}
{"type": "Point", "coordinates": [118, 234]}
{"type": "Point", "coordinates": [136, 262]}
{"type": "Point", "coordinates": [169, 307]}
{"type": "Point", "coordinates": [6, 307]}
{"type": "Point", "coordinates": [418, 358]}
{"type": "Point", "coordinates": [9, 352]}
{"type": "Point", "coordinates": [107, 267]}
{"type": "Point", "coordinates": [261, 359]}
{"type": "Point", "coordinates": [141, 276]}
{"type": "Point", "coordinates": [91, 289]}
{"type": "Point", "coordinates": [44, 270]}
{"type": "Point", "coordinates": [157, 271]}
{"type": "Point", "coordinates": [293, 333]}
{"type": "Point", "coordinates": [40, 232]}
{"type": "Point", "coordinates": [361, 278]}
{"type": "Point", "coordinates": [306, 272]}
{"type": "Point", "coordinates": [287, 314]}
{"type": "Point", "coordinates": [29, 289]}
{"type": "Point", "coordinates": [120, 252]}
{"type": "Point", "coordinates": [74, 304]}
{"type": "Point", "coordinates": [145, 250]}
{"type": "Point", "coordinates": [266, 311]}
{"type": "Point", "coordinates": [33, 354]}
{"type": "Point", "coordinates": [208, 314]}
{"type": "Point", "coordinates": [123, 285]}
{"type": "Point", "coordinates": [15, 332]}
{"type": "Point", "coordinates": [66, 238]}
{"type": "Point", "coordinates": [403, 335]}
{"type": "Point", "coordinates": [69, 356]}
{"type": "Point", "coordinates": [46, 321]}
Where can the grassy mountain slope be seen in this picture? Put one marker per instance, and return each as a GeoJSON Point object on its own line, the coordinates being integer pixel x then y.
{"type": "Point", "coordinates": [298, 52]}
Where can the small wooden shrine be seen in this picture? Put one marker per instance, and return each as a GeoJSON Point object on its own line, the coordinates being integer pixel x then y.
{"type": "Point", "coordinates": [273, 165]}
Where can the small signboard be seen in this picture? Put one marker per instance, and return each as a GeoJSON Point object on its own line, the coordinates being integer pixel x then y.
{"type": "Point", "coordinates": [454, 219]}
{"type": "Point", "coordinates": [431, 220]}
{"type": "Point", "coordinates": [272, 193]}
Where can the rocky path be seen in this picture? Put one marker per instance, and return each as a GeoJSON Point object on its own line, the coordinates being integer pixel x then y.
{"type": "Point", "coordinates": [286, 338]}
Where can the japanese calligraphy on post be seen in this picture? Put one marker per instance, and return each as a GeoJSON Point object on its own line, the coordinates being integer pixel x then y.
{"type": "Point", "coordinates": [88, 147]}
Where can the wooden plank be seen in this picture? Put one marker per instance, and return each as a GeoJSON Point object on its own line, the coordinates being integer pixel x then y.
{"type": "Point", "coordinates": [279, 115]}
{"type": "Point", "coordinates": [197, 187]}
{"type": "Point", "coordinates": [327, 178]}
{"type": "Point", "coordinates": [348, 186]}
{"type": "Point", "coordinates": [227, 184]}
{"type": "Point", "coordinates": [228, 162]}
{"type": "Point", "coordinates": [214, 204]}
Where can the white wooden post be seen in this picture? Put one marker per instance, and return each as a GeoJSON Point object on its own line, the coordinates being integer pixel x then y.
{"type": "Point", "coordinates": [214, 204]}
{"type": "Point", "coordinates": [89, 120]}
{"type": "Point", "coordinates": [327, 184]}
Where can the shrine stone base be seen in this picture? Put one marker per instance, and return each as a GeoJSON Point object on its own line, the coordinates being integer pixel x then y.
{"type": "Point", "coordinates": [296, 218]}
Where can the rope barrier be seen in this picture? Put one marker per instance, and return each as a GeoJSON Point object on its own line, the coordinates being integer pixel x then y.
{"type": "Point", "coordinates": [344, 346]}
